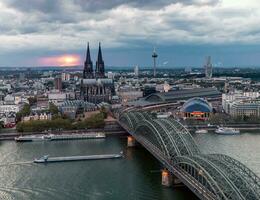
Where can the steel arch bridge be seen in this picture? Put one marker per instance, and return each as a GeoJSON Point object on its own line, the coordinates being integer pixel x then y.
{"type": "Point", "coordinates": [209, 176]}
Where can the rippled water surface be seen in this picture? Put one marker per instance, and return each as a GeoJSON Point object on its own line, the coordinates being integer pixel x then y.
{"type": "Point", "coordinates": [244, 147]}
{"type": "Point", "coordinates": [137, 176]}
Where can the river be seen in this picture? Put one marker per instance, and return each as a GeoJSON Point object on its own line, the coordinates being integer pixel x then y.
{"type": "Point", "coordinates": [137, 176]}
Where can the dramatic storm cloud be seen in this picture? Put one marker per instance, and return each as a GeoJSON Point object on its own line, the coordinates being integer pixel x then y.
{"type": "Point", "coordinates": [35, 29]}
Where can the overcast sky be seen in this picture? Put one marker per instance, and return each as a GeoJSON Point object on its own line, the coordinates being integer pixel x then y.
{"type": "Point", "coordinates": [184, 31]}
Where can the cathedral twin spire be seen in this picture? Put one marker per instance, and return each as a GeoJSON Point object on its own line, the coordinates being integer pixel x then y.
{"type": "Point", "coordinates": [88, 65]}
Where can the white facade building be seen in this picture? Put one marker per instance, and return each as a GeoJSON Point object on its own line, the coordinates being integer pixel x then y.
{"type": "Point", "coordinates": [65, 76]}
{"type": "Point", "coordinates": [110, 75]}
{"type": "Point", "coordinates": [9, 100]}
{"type": "Point", "coordinates": [57, 98]}
{"type": "Point", "coordinates": [130, 96]}
{"type": "Point", "coordinates": [9, 108]}
{"type": "Point", "coordinates": [129, 93]}
{"type": "Point", "coordinates": [241, 104]}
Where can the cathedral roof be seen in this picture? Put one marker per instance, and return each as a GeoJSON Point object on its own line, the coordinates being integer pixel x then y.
{"type": "Point", "coordinates": [103, 81]}
{"type": "Point", "coordinates": [88, 57]}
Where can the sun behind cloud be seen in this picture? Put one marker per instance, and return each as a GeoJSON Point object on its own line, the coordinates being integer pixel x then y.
{"type": "Point", "coordinates": [66, 60]}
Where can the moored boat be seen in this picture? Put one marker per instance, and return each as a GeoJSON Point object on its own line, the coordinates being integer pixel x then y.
{"type": "Point", "coordinates": [201, 131]}
{"type": "Point", "coordinates": [227, 131]}
{"type": "Point", "coordinates": [78, 136]}
{"type": "Point", "coordinates": [30, 138]}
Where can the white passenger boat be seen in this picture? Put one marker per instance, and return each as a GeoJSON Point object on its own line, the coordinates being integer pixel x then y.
{"type": "Point", "coordinates": [31, 138]}
{"type": "Point", "coordinates": [227, 131]}
{"type": "Point", "coordinates": [77, 136]}
{"type": "Point", "coordinates": [201, 131]}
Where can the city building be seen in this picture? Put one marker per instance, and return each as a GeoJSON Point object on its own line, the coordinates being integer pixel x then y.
{"type": "Point", "coordinates": [34, 116]}
{"type": "Point", "coordinates": [148, 90]}
{"type": "Point", "coordinates": [188, 70]}
{"type": "Point", "coordinates": [42, 102]}
{"type": "Point", "coordinates": [95, 88]}
{"type": "Point", "coordinates": [241, 104]}
{"type": "Point", "coordinates": [65, 76]}
{"type": "Point", "coordinates": [88, 66]}
{"type": "Point", "coordinates": [9, 108]}
{"type": "Point", "coordinates": [208, 68]}
{"type": "Point", "coordinates": [100, 65]}
{"type": "Point", "coordinates": [250, 108]}
{"type": "Point", "coordinates": [163, 87]}
{"type": "Point", "coordinates": [9, 100]}
{"type": "Point", "coordinates": [58, 83]}
{"type": "Point", "coordinates": [22, 76]}
{"type": "Point", "coordinates": [184, 94]}
{"type": "Point", "coordinates": [57, 98]}
{"type": "Point", "coordinates": [196, 108]}
{"type": "Point", "coordinates": [72, 108]}
{"type": "Point", "coordinates": [128, 96]}
{"type": "Point", "coordinates": [136, 71]}
{"type": "Point", "coordinates": [2, 96]}
{"type": "Point", "coordinates": [8, 119]}
{"type": "Point", "coordinates": [110, 75]}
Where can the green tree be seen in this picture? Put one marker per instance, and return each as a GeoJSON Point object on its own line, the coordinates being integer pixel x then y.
{"type": "Point", "coordinates": [95, 121]}
{"type": "Point", "coordinates": [26, 110]}
{"type": "Point", "coordinates": [53, 109]}
{"type": "Point", "coordinates": [43, 125]}
{"type": "Point", "coordinates": [219, 118]}
{"type": "Point", "coordinates": [50, 84]}
{"type": "Point", "coordinates": [1, 124]}
{"type": "Point", "coordinates": [104, 112]}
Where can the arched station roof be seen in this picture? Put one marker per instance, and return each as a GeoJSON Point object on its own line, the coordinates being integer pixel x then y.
{"type": "Point", "coordinates": [197, 104]}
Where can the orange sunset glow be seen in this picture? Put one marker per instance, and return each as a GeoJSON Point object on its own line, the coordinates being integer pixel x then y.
{"type": "Point", "coordinates": [62, 60]}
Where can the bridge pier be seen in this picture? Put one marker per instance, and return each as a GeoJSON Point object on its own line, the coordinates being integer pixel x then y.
{"type": "Point", "coordinates": [168, 179]}
{"type": "Point", "coordinates": [131, 142]}
{"type": "Point", "coordinates": [176, 182]}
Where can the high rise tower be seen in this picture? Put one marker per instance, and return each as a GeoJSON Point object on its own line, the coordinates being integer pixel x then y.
{"type": "Point", "coordinates": [88, 65]}
{"type": "Point", "coordinates": [136, 71]}
{"type": "Point", "coordinates": [154, 56]}
{"type": "Point", "coordinates": [208, 68]}
{"type": "Point", "coordinates": [100, 66]}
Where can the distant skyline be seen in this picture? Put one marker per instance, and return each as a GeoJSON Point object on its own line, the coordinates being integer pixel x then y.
{"type": "Point", "coordinates": [47, 32]}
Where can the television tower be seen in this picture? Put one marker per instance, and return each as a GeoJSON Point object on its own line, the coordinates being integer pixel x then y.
{"type": "Point", "coordinates": [154, 56]}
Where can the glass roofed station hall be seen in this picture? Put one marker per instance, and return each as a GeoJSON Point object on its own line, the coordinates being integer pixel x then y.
{"type": "Point", "coordinates": [184, 94]}
{"type": "Point", "coordinates": [196, 108]}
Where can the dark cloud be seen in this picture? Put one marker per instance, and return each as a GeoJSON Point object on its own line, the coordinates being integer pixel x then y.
{"type": "Point", "coordinates": [40, 26]}
{"type": "Point", "coordinates": [53, 6]}
{"type": "Point", "coordinates": [67, 11]}
{"type": "Point", "coordinates": [46, 6]}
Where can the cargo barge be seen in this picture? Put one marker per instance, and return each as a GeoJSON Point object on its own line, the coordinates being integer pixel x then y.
{"type": "Point", "coordinates": [47, 159]}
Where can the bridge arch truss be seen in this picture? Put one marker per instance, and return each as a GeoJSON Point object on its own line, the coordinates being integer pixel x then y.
{"type": "Point", "coordinates": [209, 176]}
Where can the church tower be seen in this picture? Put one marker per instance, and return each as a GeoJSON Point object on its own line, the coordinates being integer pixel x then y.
{"type": "Point", "coordinates": [88, 66]}
{"type": "Point", "coordinates": [100, 66]}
